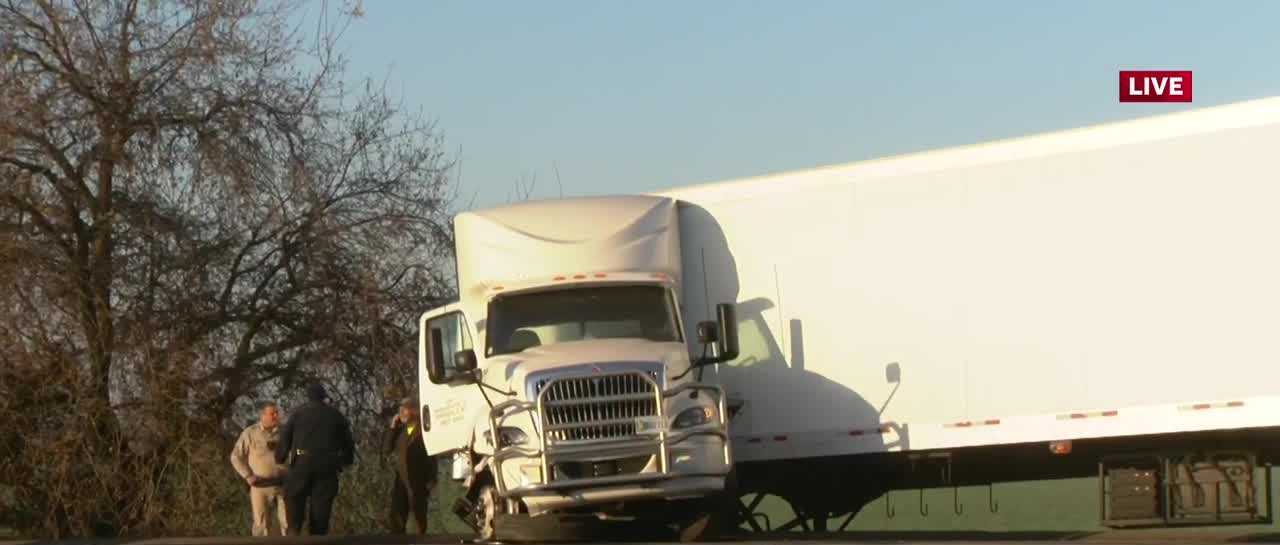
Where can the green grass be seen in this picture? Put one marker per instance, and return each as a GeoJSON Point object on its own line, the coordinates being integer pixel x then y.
{"type": "Point", "coordinates": [440, 519]}
{"type": "Point", "coordinates": [7, 498]}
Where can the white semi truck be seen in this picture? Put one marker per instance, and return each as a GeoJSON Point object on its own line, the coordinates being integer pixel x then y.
{"type": "Point", "coordinates": [1103, 301]}
{"type": "Point", "coordinates": [564, 377]}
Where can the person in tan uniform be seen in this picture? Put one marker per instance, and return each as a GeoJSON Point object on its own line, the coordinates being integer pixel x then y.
{"type": "Point", "coordinates": [253, 458]}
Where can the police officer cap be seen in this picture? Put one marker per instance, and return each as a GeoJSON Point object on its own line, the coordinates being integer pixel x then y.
{"type": "Point", "coordinates": [316, 392]}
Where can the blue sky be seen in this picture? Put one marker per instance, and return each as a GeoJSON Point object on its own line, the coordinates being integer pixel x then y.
{"type": "Point", "coordinates": [630, 97]}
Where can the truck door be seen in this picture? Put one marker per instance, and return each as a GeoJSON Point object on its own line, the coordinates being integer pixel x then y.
{"type": "Point", "coordinates": [447, 402]}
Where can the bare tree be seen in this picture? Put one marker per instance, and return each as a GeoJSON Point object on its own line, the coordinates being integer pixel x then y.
{"type": "Point", "coordinates": [194, 209]}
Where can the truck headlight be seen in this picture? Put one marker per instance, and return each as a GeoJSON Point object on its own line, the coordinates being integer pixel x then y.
{"type": "Point", "coordinates": [508, 436]}
{"type": "Point", "coordinates": [695, 416]}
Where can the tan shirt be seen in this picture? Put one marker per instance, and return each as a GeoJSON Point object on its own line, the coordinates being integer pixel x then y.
{"type": "Point", "coordinates": [254, 453]}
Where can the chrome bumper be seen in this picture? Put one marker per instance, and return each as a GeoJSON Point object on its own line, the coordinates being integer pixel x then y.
{"type": "Point", "coordinates": [547, 455]}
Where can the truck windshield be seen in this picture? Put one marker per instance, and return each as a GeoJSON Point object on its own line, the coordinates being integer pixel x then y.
{"type": "Point", "coordinates": [522, 321]}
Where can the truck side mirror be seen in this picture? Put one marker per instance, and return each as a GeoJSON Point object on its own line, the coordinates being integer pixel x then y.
{"type": "Point", "coordinates": [728, 334]}
{"type": "Point", "coordinates": [723, 332]}
{"type": "Point", "coordinates": [465, 365]}
{"type": "Point", "coordinates": [707, 332]}
{"type": "Point", "coordinates": [464, 361]}
{"type": "Point", "coordinates": [893, 373]}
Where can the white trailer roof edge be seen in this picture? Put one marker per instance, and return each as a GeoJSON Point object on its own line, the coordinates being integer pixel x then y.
{"type": "Point", "coordinates": [1237, 115]}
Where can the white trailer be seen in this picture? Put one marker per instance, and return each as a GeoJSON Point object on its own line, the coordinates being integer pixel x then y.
{"type": "Point", "coordinates": [1078, 300]}
{"type": "Point", "coordinates": [1119, 284]}
{"type": "Point", "coordinates": [1012, 292]}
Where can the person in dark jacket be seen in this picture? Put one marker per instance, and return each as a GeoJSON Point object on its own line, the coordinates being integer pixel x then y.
{"type": "Point", "coordinates": [415, 470]}
{"type": "Point", "coordinates": [318, 440]}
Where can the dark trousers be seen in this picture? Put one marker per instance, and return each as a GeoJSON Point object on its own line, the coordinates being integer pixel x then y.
{"type": "Point", "coordinates": [402, 502]}
{"type": "Point", "coordinates": [309, 497]}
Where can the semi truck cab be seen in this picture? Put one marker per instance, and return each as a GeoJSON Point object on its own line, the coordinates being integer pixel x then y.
{"type": "Point", "coordinates": [578, 391]}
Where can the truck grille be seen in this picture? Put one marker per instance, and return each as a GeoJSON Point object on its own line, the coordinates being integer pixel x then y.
{"type": "Point", "coordinates": [596, 407]}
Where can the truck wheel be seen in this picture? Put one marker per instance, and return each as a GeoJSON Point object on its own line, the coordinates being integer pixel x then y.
{"type": "Point", "coordinates": [716, 521]}
{"type": "Point", "coordinates": [696, 530]}
{"type": "Point", "coordinates": [487, 508]}
{"type": "Point", "coordinates": [550, 527]}
{"type": "Point", "coordinates": [717, 517]}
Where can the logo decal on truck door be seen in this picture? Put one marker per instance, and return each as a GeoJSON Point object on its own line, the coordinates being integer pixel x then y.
{"type": "Point", "coordinates": [450, 413]}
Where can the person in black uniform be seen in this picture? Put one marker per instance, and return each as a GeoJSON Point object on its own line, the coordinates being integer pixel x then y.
{"type": "Point", "coordinates": [318, 440]}
{"type": "Point", "coordinates": [415, 470]}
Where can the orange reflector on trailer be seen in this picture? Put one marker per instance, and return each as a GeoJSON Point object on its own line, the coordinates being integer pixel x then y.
{"type": "Point", "coordinates": [1208, 406]}
{"type": "Point", "coordinates": [881, 430]}
{"type": "Point", "coordinates": [1060, 447]}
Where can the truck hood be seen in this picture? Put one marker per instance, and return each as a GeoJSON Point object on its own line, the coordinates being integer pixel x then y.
{"type": "Point", "coordinates": [513, 369]}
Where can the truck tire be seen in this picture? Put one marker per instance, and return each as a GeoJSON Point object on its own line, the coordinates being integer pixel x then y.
{"type": "Point", "coordinates": [717, 516]}
{"type": "Point", "coordinates": [717, 521]}
{"type": "Point", "coordinates": [488, 506]}
{"type": "Point", "coordinates": [495, 521]}
{"type": "Point", "coordinates": [555, 528]}
{"type": "Point", "coordinates": [697, 530]}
